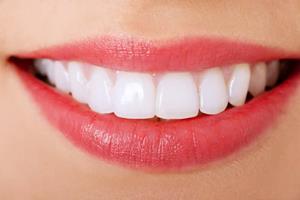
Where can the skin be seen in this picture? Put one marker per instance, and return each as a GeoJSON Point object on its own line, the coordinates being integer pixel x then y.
{"type": "Point", "coordinates": [37, 162]}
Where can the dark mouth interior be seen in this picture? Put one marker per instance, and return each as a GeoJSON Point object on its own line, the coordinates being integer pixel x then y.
{"type": "Point", "coordinates": [287, 66]}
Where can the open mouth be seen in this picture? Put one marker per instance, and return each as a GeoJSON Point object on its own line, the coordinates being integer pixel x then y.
{"type": "Point", "coordinates": [166, 106]}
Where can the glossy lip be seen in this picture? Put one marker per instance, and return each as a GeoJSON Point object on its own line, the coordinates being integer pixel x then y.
{"type": "Point", "coordinates": [159, 145]}
{"type": "Point", "coordinates": [187, 54]}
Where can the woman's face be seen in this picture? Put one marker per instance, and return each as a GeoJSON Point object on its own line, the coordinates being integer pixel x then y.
{"type": "Point", "coordinates": [38, 162]}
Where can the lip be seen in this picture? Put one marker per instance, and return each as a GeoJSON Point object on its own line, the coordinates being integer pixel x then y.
{"type": "Point", "coordinates": [187, 54]}
{"type": "Point", "coordinates": [160, 145]}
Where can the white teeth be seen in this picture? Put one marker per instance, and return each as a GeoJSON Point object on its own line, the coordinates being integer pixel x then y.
{"type": "Point", "coordinates": [134, 95]}
{"type": "Point", "coordinates": [238, 84]}
{"type": "Point", "coordinates": [177, 96]}
{"type": "Point", "coordinates": [50, 73]}
{"type": "Point", "coordinates": [173, 95]}
{"type": "Point", "coordinates": [213, 92]}
{"type": "Point", "coordinates": [78, 82]}
{"type": "Point", "coordinates": [100, 91]}
{"type": "Point", "coordinates": [42, 65]}
{"type": "Point", "coordinates": [272, 73]}
{"type": "Point", "coordinates": [61, 77]}
{"type": "Point", "coordinates": [258, 79]}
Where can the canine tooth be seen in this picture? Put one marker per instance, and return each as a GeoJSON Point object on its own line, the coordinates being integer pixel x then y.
{"type": "Point", "coordinates": [100, 89]}
{"type": "Point", "coordinates": [177, 96]}
{"type": "Point", "coordinates": [78, 82]}
{"type": "Point", "coordinates": [42, 65]}
{"type": "Point", "coordinates": [272, 73]}
{"type": "Point", "coordinates": [258, 79]}
{"type": "Point", "coordinates": [213, 92]}
{"type": "Point", "coordinates": [61, 77]}
{"type": "Point", "coordinates": [134, 95]}
{"type": "Point", "coordinates": [238, 84]}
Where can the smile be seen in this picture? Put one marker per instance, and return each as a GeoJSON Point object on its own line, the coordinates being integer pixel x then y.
{"type": "Point", "coordinates": [160, 105]}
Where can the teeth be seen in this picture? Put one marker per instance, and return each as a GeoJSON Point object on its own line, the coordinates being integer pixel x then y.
{"type": "Point", "coordinates": [100, 91]}
{"type": "Point", "coordinates": [134, 96]}
{"type": "Point", "coordinates": [213, 92]}
{"type": "Point", "coordinates": [239, 84]}
{"type": "Point", "coordinates": [78, 82]}
{"type": "Point", "coordinates": [61, 77]}
{"type": "Point", "coordinates": [50, 72]}
{"type": "Point", "coordinates": [43, 65]}
{"type": "Point", "coordinates": [272, 73]}
{"type": "Point", "coordinates": [177, 95]}
{"type": "Point", "coordinates": [258, 79]}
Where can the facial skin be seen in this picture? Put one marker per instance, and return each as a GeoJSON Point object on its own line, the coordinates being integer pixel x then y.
{"type": "Point", "coordinates": [37, 162]}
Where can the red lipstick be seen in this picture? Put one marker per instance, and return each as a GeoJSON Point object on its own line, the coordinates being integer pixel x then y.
{"type": "Point", "coordinates": [190, 54]}
{"type": "Point", "coordinates": [160, 145]}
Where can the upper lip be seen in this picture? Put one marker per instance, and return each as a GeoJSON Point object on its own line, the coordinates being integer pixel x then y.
{"type": "Point", "coordinates": [188, 54]}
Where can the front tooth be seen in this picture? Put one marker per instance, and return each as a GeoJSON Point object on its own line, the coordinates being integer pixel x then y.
{"type": "Point", "coordinates": [239, 84]}
{"type": "Point", "coordinates": [213, 92]}
{"type": "Point", "coordinates": [78, 82]}
{"type": "Point", "coordinates": [134, 95]}
{"type": "Point", "coordinates": [100, 89]}
{"type": "Point", "coordinates": [258, 79]}
{"type": "Point", "coordinates": [177, 96]}
{"type": "Point", "coordinates": [272, 73]}
{"type": "Point", "coordinates": [61, 77]}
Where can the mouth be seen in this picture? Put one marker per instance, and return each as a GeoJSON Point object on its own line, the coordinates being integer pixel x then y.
{"type": "Point", "coordinates": [160, 105]}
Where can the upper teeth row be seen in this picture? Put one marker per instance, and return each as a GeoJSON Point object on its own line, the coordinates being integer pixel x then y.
{"type": "Point", "coordinates": [175, 95]}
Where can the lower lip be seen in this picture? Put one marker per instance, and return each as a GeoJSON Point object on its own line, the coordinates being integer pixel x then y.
{"type": "Point", "coordinates": [164, 145]}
